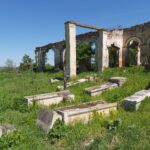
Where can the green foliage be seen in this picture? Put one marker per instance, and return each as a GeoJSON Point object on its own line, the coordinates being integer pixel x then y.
{"type": "Point", "coordinates": [84, 54]}
{"type": "Point", "coordinates": [10, 140]}
{"type": "Point", "coordinates": [26, 63]}
{"type": "Point", "coordinates": [113, 124]}
{"type": "Point", "coordinates": [132, 52]}
{"type": "Point", "coordinates": [134, 127]}
{"type": "Point", "coordinates": [57, 132]}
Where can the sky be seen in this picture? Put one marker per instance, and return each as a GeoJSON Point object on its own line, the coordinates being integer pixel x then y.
{"type": "Point", "coordinates": [26, 24]}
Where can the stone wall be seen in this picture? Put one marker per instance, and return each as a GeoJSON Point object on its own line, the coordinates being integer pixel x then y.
{"type": "Point", "coordinates": [120, 38]}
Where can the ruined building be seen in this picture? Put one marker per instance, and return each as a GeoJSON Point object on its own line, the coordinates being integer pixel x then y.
{"type": "Point", "coordinates": [134, 37]}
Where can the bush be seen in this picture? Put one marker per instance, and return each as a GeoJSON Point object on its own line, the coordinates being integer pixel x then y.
{"type": "Point", "coordinates": [10, 140]}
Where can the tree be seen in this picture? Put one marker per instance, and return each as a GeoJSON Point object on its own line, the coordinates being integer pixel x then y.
{"type": "Point", "coordinates": [26, 63]}
{"type": "Point", "coordinates": [84, 55]}
{"type": "Point", "coordinates": [9, 63]}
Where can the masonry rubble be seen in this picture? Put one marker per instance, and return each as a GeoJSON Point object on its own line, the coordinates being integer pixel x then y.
{"type": "Point", "coordinates": [114, 82]}
{"type": "Point", "coordinates": [72, 114]}
{"type": "Point", "coordinates": [6, 129]}
{"type": "Point", "coordinates": [50, 98]}
{"type": "Point", "coordinates": [54, 80]}
{"type": "Point", "coordinates": [133, 102]}
{"type": "Point", "coordinates": [72, 83]}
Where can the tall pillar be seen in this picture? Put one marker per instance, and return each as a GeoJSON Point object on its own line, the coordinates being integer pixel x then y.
{"type": "Point", "coordinates": [40, 60]}
{"type": "Point", "coordinates": [102, 57]}
{"type": "Point", "coordinates": [70, 33]}
{"type": "Point", "coordinates": [139, 56]}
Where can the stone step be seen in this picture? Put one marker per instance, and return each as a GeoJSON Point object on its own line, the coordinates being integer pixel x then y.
{"type": "Point", "coordinates": [133, 102]}
{"type": "Point", "coordinates": [50, 98]}
{"type": "Point", "coordinates": [72, 114]}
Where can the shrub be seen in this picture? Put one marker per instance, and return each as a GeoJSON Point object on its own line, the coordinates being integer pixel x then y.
{"type": "Point", "coordinates": [10, 140]}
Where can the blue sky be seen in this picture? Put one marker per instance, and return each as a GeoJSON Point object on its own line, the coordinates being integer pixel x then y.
{"type": "Point", "coordinates": [26, 24]}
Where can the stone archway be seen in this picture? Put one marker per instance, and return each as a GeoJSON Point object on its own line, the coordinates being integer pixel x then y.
{"type": "Point", "coordinates": [113, 52]}
{"type": "Point", "coordinates": [133, 46]}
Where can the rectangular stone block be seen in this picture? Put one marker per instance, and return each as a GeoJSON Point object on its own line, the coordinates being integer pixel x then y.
{"type": "Point", "coordinates": [133, 102]}
{"type": "Point", "coordinates": [119, 80]}
{"type": "Point", "coordinates": [97, 90]}
{"type": "Point", "coordinates": [50, 98]}
{"type": "Point", "coordinates": [84, 112]}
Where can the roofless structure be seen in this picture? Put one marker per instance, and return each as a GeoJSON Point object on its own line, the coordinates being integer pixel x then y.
{"type": "Point", "coordinates": [137, 36]}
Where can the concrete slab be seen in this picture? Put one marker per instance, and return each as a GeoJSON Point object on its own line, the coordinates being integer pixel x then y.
{"type": "Point", "coordinates": [133, 102]}
{"type": "Point", "coordinates": [72, 114]}
{"type": "Point", "coordinates": [50, 98]}
{"type": "Point", "coordinates": [97, 90]}
{"type": "Point", "coordinates": [84, 112]}
{"type": "Point", "coordinates": [119, 80]}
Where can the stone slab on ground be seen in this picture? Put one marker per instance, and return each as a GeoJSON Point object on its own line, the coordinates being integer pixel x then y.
{"type": "Point", "coordinates": [133, 102]}
{"type": "Point", "coordinates": [6, 129]}
{"type": "Point", "coordinates": [71, 114]}
{"type": "Point", "coordinates": [119, 80]}
{"type": "Point", "coordinates": [97, 90]}
{"type": "Point", "coordinates": [50, 98]}
{"type": "Point", "coordinates": [72, 83]}
{"type": "Point", "coordinates": [84, 112]}
{"type": "Point", "coordinates": [114, 82]}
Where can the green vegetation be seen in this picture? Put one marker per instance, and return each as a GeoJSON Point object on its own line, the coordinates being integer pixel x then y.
{"type": "Point", "coordinates": [122, 130]}
{"type": "Point", "coordinates": [26, 63]}
{"type": "Point", "coordinates": [84, 55]}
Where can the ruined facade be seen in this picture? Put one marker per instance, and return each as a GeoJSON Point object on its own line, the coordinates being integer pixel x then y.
{"type": "Point", "coordinates": [102, 38]}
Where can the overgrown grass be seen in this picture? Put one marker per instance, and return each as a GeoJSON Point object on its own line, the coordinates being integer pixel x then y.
{"type": "Point", "coordinates": [133, 133]}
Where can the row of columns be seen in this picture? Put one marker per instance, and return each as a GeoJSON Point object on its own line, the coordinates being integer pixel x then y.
{"type": "Point", "coordinates": [102, 56]}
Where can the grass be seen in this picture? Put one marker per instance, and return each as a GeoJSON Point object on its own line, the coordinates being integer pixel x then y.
{"type": "Point", "coordinates": [133, 133]}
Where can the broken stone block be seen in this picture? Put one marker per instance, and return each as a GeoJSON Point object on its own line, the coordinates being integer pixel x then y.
{"type": "Point", "coordinates": [60, 88]}
{"type": "Point", "coordinates": [47, 118]}
{"type": "Point", "coordinates": [97, 90]}
{"type": "Point", "coordinates": [133, 102]}
{"type": "Point", "coordinates": [119, 80]}
{"type": "Point", "coordinates": [50, 98]}
{"type": "Point", "coordinates": [6, 129]}
{"type": "Point", "coordinates": [54, 80]}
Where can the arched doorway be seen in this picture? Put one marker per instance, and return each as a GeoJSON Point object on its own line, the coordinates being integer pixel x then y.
{"type": "Point", "coordinates": [113, 52]}
{"type": "Point", "coordinates": [133, 52]}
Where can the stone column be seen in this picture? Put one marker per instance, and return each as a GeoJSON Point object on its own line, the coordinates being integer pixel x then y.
{"type": "Point", "coordinates": [40, 58]}
{"type": "Point", "coordinates": [70, 34]}
{"type": "Point", "coordinates": [139, 56]}
{"type": "Point", "coordinates": [102, 57]}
